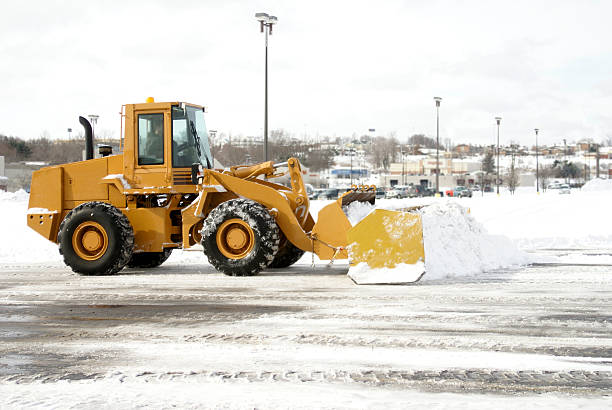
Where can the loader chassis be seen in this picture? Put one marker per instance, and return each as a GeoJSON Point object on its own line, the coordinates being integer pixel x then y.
{"type": "Point", "coordinates": [245, 222]}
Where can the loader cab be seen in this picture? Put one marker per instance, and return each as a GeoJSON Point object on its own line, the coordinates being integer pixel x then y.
{"type": "Point", "coordinates": [162, 142]}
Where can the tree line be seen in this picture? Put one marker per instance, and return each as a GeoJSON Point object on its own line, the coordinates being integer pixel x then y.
{"type": "Point", "coordinates": [41, 149]}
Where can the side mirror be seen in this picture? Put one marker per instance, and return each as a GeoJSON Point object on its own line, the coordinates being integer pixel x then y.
{"type": "Point", "coordinates": [195, 169]}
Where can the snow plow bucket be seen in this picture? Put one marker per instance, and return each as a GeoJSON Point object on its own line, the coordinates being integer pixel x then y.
{"type": "Point", "coordinates": [386, 247]}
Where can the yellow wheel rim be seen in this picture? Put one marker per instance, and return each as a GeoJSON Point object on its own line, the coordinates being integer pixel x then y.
{"type": "Point", "coordinates": [90, 241]}
{"type": "Point", "coordinates": [196, 234]}
{"type": "Point", "coordinates": [235, 238]}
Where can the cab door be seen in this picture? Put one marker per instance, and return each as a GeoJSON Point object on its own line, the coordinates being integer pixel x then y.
{"type": "Point", "coordinates": [152, 150]}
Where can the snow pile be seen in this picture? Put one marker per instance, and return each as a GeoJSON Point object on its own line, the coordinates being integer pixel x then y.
{"type": "Point", "coordinates": [455, 245]}
{"type": "Point", "coordinates": [548, 221]}
{"type": "Point", "coordinates": [356, 211]}
{"type": "Point", "coordinates": [598, 184]}
{"type": "Point", "coordinates": [19, 243]}
{"type": "Point", "coordinates": [20, 195]}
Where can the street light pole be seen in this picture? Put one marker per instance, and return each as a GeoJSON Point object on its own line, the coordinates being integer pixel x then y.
{"type": "Point", "coordinates": [403, 156]}
{"type": "Point", "coordinates": [266, 22]}
{"type": "Point", "coordinates": [537, 165]}
{"type": "Point", "coordinates": [437, 100]}
{"type": "Point", "coordinates": [498, 119]}
{"type": "Point", "coordinates": [93, 118]}
{"type": "Point", "coordinates": [351, 154]}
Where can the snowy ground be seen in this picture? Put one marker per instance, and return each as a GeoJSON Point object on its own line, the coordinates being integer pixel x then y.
{"type": "Point", "coordinates": [185, 336]}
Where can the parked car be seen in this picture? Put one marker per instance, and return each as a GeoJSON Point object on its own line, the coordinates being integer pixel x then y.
{"type": "Point", "coordinates": [462, 192]}
{"type": "Point", "coordinates": [316, 193]}
{"type": "Point", "coordinates": [310, 191]}
{"type": "Point", "coordinates": [427, 191]}
{"type": "Point", "coordinates": [564, 189]}
{"type": "Point", "coordinates": [380, 193]}
{"type": "Point", "coordinates": [476, 188]}
{"type": "Point", "coordinates": [420, 191]}
{"type": "Point", "coordinates": [392, 193]}
{"type": "Point", "coordinates": [329, 193]}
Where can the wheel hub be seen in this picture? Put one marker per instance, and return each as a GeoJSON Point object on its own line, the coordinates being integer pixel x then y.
{"type": "Point", "coordinates": [89, 240]}
{"type": "Point", "coordinates": [92, 240]}
{"type": "Point", "coordinates": [235, 238]}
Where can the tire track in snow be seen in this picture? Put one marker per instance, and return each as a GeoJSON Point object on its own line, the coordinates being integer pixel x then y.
{"type": "Point", "coordinates": [452, 380]}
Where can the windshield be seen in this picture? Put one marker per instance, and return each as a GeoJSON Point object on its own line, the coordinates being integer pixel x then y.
{"type": "Point", "coordinates": [189, 138]}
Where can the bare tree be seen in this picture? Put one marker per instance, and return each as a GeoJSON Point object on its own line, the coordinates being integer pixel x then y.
{"type": "Point", "coordinates": [545, 174]}
{"type": "Point", "coordinates": [512, 177]}
{"type": "Point", "coordinates": [383, 151]}
{"type": "Point", "coordinates": [422, 140]}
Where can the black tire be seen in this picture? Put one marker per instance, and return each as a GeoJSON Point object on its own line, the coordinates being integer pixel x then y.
{"type": "Point", "coordinates": [114, 225]}
{"type": "Point", "coordinates": [149, 259]}
{"type": "Point", "coordinates": [287, 254]}
{"type": "Point", "coordinates": [263, 244]}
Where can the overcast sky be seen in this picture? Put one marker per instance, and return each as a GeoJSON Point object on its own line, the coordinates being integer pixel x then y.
{"type": "Point", "coordinates": [336, 67]}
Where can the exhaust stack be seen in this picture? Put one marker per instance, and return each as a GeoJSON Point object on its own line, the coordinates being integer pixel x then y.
{"type": "Point", "coordinates": [89, 154]}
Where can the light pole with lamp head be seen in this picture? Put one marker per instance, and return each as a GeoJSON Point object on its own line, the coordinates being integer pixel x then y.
{"type": "Point", "coordinates": [537, 165]}
{"type": "Point", "coordinates": [498, 119]}
{"type": "Point", "coordinates": [437, 100]}
{"type": "Point", "coordinates": [93, 118]}
{"type": "Point", "coordinates": [266, 22]}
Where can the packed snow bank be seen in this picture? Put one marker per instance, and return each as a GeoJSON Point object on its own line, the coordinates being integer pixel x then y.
{"type": "Point", "coordinates": [455, 245]}
{"type": "Point", "coordinates": [19, 243]}
{"type": "Point", "coordinates": [580, 220]}
{"type": "Point", "coordinates": [19, 196]}
{"type": "Point", "coordinates": [598, 184]}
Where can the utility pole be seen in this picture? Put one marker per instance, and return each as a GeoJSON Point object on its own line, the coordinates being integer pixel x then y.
{"type": "Point", "coordinates": [597, 160]}
{"type": "Point", "coordinates": [351, 154]}
{"type": "Point", "coordinates": [537, 165]}
{"type": "Point", "coordinates": [565, 157]}
{"type": "Point", "coordinates": [437, 100]}
{"type": "Point", "coordinates": [266, 22]}
{"type": "Point", "coordinates": [498, 119]}
{"type": "Point", "coordinates": [403, 166]}
{"type": "Point", "coordinates": [93, 118]}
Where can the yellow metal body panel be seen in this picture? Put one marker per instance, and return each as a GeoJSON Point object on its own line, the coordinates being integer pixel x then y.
{"type": "Point", "coordinates": [331, 229]}
{"type": "Point", "coordinates": [152, 229]}
{"type": "Point", "coordinates": [47, 189]}
{"type": "Point", "coordinates": [82, 180]}
{"type": "Point", "coordinates": [46, 201]}
{"type": "Point", "coordinates": [46, 224]}
{"type": "Point", "coordinates": [384, 239]}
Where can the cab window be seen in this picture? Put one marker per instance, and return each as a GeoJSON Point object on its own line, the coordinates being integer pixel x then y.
{"type": "Point", "coordinates": [150, 139]}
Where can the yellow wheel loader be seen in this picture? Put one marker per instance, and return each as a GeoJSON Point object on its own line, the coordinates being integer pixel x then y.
{"type": "Point", "coordinates": [162, 193]}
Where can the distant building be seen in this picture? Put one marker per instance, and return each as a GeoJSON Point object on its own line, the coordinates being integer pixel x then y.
{"type": "Point", "coordinates": [462, 149]}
